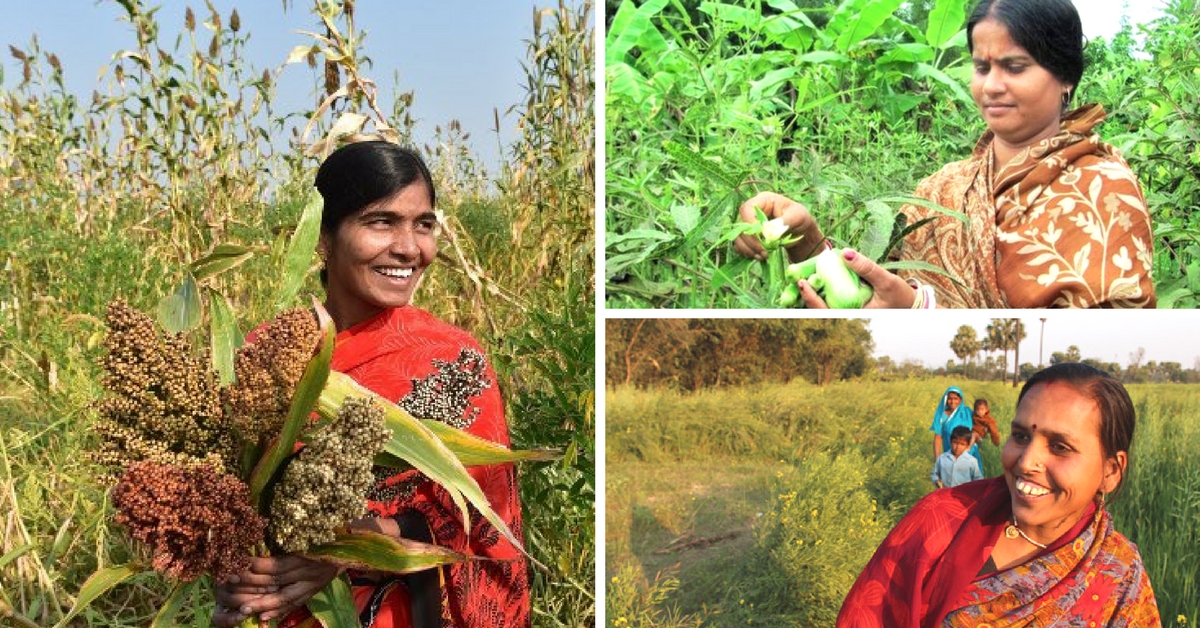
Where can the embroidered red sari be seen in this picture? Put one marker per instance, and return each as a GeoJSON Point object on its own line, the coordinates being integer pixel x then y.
{"type": "Point", "coordinates": [925, 573]}
{"type": "Point", "coordinates": [437, 371]}
{"type": "Point", "coordinates": [1062, 224]}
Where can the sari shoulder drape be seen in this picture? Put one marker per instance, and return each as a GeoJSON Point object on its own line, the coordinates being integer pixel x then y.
{"type": "Point", "coordinates": [1063, 224]}
{"type": "Point", "coordinates": [437, 371]}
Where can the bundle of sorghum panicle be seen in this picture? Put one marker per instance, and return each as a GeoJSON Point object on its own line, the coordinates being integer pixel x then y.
{"type": "Point", "coordinates": [325, 486]}
{"type": "Point", "coordinates": [163, 402]}
{"type": "Point", "coordinates": [267, 371]}
{"type": "Point", "coordinates": [195, 519]}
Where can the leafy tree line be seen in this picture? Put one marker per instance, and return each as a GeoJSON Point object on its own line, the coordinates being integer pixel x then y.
{"type": "Point", "coordinates": [690, 354]}
{"type": "Point", "coordinates": [1005, 334]}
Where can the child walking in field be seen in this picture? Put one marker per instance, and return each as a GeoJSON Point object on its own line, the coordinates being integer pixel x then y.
{"type": "Point", "coordinates": [954, 467]}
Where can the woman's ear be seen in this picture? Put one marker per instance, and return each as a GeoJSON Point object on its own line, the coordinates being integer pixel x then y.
{"type": "Point", "coordinates": [1114, 470]}
{"type": "Point", "coordinates": [323, 247]}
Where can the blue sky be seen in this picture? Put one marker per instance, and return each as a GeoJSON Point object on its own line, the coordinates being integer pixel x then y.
{"type": "Point", "coordinates": [461, 58]}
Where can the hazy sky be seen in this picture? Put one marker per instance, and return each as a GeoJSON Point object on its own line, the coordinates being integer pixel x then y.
{"type": "Point", "coordinates": [462, 58]}
{"type": "Point", "coordinates": [1166, 335]}
{"type": "Point", "coordinates": [1103, 17]}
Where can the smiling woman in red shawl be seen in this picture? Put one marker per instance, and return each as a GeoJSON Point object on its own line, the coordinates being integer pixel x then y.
{"type": "Point", "coordinates": [378, 234]}
{"type": "Point", "coordinates": [1033, 548]}
{"type": "Point", "coordinates": [1054, 216]}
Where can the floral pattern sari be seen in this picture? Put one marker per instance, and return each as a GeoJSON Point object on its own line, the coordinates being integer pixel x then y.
{"type": "Point", "coordinates": [1063, 224]}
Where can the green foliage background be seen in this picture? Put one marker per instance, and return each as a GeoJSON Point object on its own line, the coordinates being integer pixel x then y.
{"type": "Point", "coordinates": [169, 162]}
{"type": "Point", "coordinates": [844, 106]}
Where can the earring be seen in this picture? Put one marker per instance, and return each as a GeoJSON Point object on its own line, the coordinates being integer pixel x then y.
{"type": "Point", "coordinates": [1100, 505]}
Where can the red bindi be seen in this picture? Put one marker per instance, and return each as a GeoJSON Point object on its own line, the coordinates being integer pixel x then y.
{"type": "Point", "coordinates": [1035, 426]}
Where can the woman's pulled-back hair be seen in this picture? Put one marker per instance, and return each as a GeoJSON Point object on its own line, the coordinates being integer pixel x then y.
{"type": "Point", "coordinates": [1117, 418]}
{"type": "Point", "coordinates": [1049, 29]}
{"type": "Point", "coordinates": [359, 174]}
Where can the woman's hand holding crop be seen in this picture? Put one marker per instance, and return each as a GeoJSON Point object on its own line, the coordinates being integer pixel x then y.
{"type": "Point", "coordinates": [890, 291]}
{"type": "Point", "coordinates": [799, 221]}
{"type": "Point", "coordinates": [271, 588]}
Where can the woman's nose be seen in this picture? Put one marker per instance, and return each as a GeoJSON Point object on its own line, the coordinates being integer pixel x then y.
{"type": "Point", "coordinates": [404, 243]}
{"type": "Point", "coordinates": [993, 83]}
{"type": "Point", "coordinates": [1031, 459]}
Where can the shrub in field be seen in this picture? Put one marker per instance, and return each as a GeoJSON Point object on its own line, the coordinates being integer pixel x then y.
{"type": "Point", "coordinates": [631, 601]}
{"type": "Point", "coordinates": [815, 538]}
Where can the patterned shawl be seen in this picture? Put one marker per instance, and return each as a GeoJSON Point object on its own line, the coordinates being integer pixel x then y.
{"type": "Point", "coordinates": [1063, 224]}
{"type": "Point", "coordinates": [924, 573]}
{"type": "Point", "coordinates": [437, 371]}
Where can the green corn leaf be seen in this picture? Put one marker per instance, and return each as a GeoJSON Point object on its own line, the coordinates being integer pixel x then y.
{"type": "Point", "coordinates": [96, 585]}
{"type": "Point", "coordinates": [303, 401]}
{"type": "Point", "coordinates": [226, 338]}
{"type": "Point", "coordinates": [333, 605]}
{"type": "Point", "coordinates": [300, 251]}
{"type": "Point", "coordinates": [180, 310]}
{"type": "Point", "coordinates": [880, 221]}
{"type": "Point", "coordinates": [361, 549]}
{"type": "Point", "coordinates": [179, 594]}
{"type": "Point", "coordinates": [224, 257]}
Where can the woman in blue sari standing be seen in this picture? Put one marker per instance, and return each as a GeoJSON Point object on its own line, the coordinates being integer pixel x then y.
{"type": "Point", "coordinates": [950, 414]}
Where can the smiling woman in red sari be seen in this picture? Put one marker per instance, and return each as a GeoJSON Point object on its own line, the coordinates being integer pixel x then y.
{"type": "Point", "coordinates": [1054, 215]}
{"type": "Point", "coordinates": [378, 235]}
{"type": "Point", "coordinates": [1033, 548]}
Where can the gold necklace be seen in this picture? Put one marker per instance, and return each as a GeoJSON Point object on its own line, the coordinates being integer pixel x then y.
{"type": "Point", "coordinates": [1011, 531]}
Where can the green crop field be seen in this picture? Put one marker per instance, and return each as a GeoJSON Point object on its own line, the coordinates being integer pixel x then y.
{"type": "Point", "coordinates": [759, 505]}
{"type": "Point", "coordinates": [844, 106]}
{"type": "Point", "coordinates": [173, 162]}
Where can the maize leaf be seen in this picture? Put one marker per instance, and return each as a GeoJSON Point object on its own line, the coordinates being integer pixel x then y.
{"type": "Point", "coordinates": [372, 551]}
{"type": "Point", "coordinates": [300, 251]}
{"type": "Point", "coordinates": [473, 451]}
{"type": "Point", "coordinates": [223, 257]}
{"type": "Point", "coordinates": [166, 615]}
{"type": "Point", "coordinates": [223, 331]}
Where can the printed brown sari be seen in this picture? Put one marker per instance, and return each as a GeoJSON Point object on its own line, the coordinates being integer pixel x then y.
{"type": "Point", "coordinates": [1063, 224]}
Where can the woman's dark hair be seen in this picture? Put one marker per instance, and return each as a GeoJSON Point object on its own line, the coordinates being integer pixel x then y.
{"type": "Point", "coordinates": [359, 174]}
{"type": "Point", "coordinates": [1117, 418]}
{"type": "Point", "coordinates": [1049, 29]}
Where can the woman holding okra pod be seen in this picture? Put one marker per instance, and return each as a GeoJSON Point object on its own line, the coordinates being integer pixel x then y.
{"type": "Point", "coordinates": [1055, 217]}
{"type": "Point", "coordinates": [378, 234]}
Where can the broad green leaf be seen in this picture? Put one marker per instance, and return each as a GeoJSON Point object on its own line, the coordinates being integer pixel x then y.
{"type": "Point", "coordinates": [822, 56]}
{"type": "Point", "coordinates": [945, 20]}
{"type": "Point", "coordinates": [180, 310]}
{"type": "Point", "coordinates": [300, 251]}
{"type": "Point", "coordinates": [770, 82]}
{"type": "Point", "coordinates": [361, 549]}
{"type": "Point", "coordinates": [225, 336]}
{"type": "Point", "coordinates": [165, 618]}
{"type": "Point", "coordinates": [414, 443]}
{"type": "Point", "coordinates": [222, 258]}
{"type": "Point", "coordinates": [96, 585]}
{"type": "Point", "coordinates": [333, 605]}
{"type": "Point", "coordinates": [856, 20]}
{"type": "Point", "coordinates": [880, 220]}
{"type": "Point", "coordinates": [303, 401]}
{"type": "Point", "coordinates": [621, 79]}
{"type": "Point", "coordinates": [907, 53]}
{"type": "Point", "coordinates": [632, 26]}
{"type": "Point", "coordinates": [924, 70]}
{"type": "Point", "coordinates": [686, 217]}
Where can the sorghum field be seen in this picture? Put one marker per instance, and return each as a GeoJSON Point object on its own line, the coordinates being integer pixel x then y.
{"type": "Point", "coordinates": [171, 164]}
{"type": "Point", "coordinates": [759, 505]}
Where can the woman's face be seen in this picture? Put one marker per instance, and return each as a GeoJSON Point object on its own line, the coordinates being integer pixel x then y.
{"type": "Point", "coordinates": [376, 256]}
{"type": "Point", "coordinates": [1020, 100]}
{"type": "Point", "coordinates": [1053, 460]}
{"type": "Point", "coordinates": [952, 401]}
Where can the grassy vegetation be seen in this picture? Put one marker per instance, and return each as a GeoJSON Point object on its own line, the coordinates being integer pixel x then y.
{"type": "Point", "coordinates": [809, 479]}
{"type": "Point", "coordinates": [117, 197]}
{"type": "Point", "coordinates": [844, 105]}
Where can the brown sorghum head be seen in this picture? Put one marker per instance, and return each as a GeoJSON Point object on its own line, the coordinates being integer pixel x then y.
{"type": "Point", "coordinates": [267, 371]}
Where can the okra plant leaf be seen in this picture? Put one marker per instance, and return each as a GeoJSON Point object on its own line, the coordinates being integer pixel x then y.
{"type": "Point", "coordinates": [880, 221]}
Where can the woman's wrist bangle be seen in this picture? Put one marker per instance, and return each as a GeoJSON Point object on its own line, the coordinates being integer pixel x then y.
{"type": "Point", "coordinates": [924, 299]}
